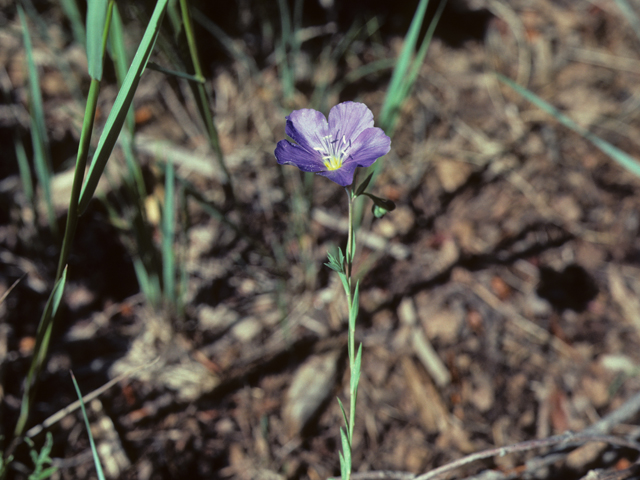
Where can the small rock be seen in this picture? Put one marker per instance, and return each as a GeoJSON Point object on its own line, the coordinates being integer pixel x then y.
{"type": "Point", "coordinates": [452, 174]}
{"type": "Point", "coordinates": [247, 329]}
{"type": "Point", "coordinates": [216, 318]}
{"type": "Point", "coordinates": [443, 325]}
{"type": "Point", "coordinates": [311, 385]}
{"type": "Point", "coordinates": [585, 455]}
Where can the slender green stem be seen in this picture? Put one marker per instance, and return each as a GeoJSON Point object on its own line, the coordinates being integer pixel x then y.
{"type": "Point", "coordinates": [353, 391]}
{"type": "Point", "coordinates": [81, 163]}
{"type": "Point", "coordinates": [107, 26]}
{"type": "Point", "coordinates": [350, 239]}
{"type": "Point", "coordinates": [203, 99]}
{"type": "Point", "coordinates": [352, 304]}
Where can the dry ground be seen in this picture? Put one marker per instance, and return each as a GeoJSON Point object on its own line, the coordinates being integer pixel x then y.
{"type": "Point", "coordinates": [500, 302]}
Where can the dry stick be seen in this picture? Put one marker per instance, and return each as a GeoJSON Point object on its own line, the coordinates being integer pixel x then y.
{"type": "Point", "coordinates": [625, 412]}
{"type": "Point", "coordinates": [13, 285]}
{"type": "Point", "coordinates": [56, 417]}
{"type": "Point", "coordinates": [561, 441]}
{"type": "Point", "coordinates": [380, 475]}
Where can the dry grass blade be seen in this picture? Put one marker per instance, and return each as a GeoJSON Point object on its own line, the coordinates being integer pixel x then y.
{"type": "Point", "coordinates": [72, 407]}
{"type": "Point", "coordinates": [13, 285]}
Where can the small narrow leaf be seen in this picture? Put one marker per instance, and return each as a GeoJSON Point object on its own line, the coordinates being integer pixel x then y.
{"type": "Point", "coordinates": [333, 266]}
{"type": "Point", "coordinates": [344, 473]}
{"type": "Point", "coordinates": [354, 307]}
{"type": "Point", "coordinates": [344, 413]}
{"type": "Point", "coordinates": [43, 335]}
{"type": "Point", "coordinates": [58, 291]}
{"type": "Point", "coordinates": [174, 73]}
{"type": "Point", "coordinates": [345, 282]}
{"type": "Point", "coordinates": [382, 203]}
{"type": "Point", "coordinates": [336, 262]}
{"type": "Point", "coordinates": [363, 186]}
{"type": "Point", "coordinates": [346, 447]}
{"type": "Point", "coordinates": [355, 374]}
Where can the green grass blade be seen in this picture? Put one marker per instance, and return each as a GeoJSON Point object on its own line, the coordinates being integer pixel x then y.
{"type": "Point", "coordinates": [40, 352]}
{"type": "Point", "coordinates": [121, 106]}
{"type": "Point", "coordinates": [227, 42]}
{"type": "Point", "coordinates": [184, 248]}
{"type": "Point", "coordinates": [39, 136]}
{"type": "Point", "coordinates": [95, 71]}
{"type": "Point", "coordinates": [174, 16]}
{"type": "Point", "coordinates": [78, 176]}
{"type": "Point", "coordinates": [43, 28]}
{"type": "Point", "coordinates": [361, 72]}
{"type": "Point", "coordinates": [174, 73]}
{"type": "Point", "coordinates": [70, 9]}
{"type": "Point", "coordinates": [391, 101]}
{"type": "Point", "coordinates": [403, 78]}
{"type": "Point", "coordinates": [149, 271]}
{"type": "Point", "coordinates": [25, 171]}
{"type": "Point", "coordinates": [118, 53]}
{"type": "Point", "coordinates": [202, 100]}
{"type": "Point", "coordinates": [605, 147]}
{"type": "Point", "coordinates": [417, 63]}
{"type": "Point", "coordinates": [150, 289]}
{"type": "Point", "coordinates": [284, 66]}
{"type": "Point", "coordinates": [94, 451]}
{"type": "Point", "coordinates": [216, 213]}
{"type": "Point", "coordinates": [117, 49]}
{"type": "Point", "coordinates": [96, 23]}
{"type": "Point", "coordinates": [135, 171]}
{"type": "Point", "coordinates": [168, 235]}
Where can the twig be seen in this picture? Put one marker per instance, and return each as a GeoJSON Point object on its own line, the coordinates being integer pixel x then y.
{"type": "Point", "coordinates": [565, 440]}
{"type": "Point", "coordinates": [380, 475]}
{"type": "Point", "coordinates": [498, 451]}
{"type": "Point", "coordinates": [13, 285]}
{"type": "Point", "coordinates": [56, 417]}
{"type": "Point", "coordinates": [625, 412]}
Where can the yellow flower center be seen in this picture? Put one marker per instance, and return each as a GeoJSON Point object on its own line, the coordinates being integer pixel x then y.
{"type": "Point", "coordinates": [332, 163]}
{"type": "Point", "coordinates": [334, 152]}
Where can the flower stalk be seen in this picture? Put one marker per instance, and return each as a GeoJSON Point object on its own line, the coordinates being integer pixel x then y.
{"type": "Point", "coordinates": [334, 149]}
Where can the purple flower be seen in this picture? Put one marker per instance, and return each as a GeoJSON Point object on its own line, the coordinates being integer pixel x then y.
{"type": "Point", "coordinates": [335, 148]}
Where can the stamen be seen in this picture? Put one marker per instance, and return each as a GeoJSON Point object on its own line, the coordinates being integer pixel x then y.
{"type": "Point", "coordinates": [333, 152]}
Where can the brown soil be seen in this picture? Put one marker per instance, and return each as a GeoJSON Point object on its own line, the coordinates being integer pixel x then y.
{"type": "Point", "coordinates": [499, 302]}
